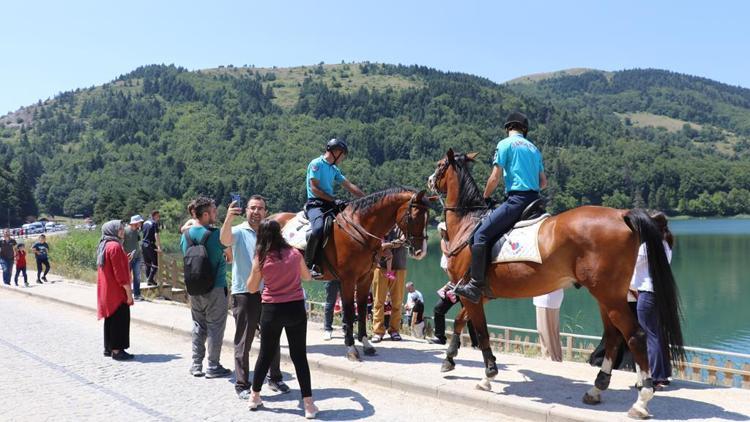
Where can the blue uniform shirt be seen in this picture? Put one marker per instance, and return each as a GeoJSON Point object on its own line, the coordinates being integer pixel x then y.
{"type": "Point", "coordinates": [327, 174]}
{"type": "Point", "coordinates": [521, 162]}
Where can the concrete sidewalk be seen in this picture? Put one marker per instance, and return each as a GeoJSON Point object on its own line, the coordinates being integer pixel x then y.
{"type": "Point", "coordinates": [528, 388]}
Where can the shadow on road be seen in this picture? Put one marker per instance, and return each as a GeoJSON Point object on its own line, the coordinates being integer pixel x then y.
{"type": "Point", "coordinates": [363, 407]}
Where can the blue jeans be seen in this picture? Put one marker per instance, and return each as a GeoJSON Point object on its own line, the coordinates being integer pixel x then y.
{"type": "Point", "coordinates": [648, 317]}
{"type": "Point", "coordinates": [333, 287]}
{"type": "Point", "coordinates": [7, 267]}
{"type": "Point", "coordinates": [135, 267]}
{"type": "Point", "coordinates": [504, 217]}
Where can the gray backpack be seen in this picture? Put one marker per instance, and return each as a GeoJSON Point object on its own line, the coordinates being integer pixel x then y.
{"type": "Point", "coordinates": [199, 276]}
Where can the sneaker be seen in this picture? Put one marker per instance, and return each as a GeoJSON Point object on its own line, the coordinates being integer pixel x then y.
{"type": "Point", "coordinates": [25, 284]}
{"type": "Point", "coordinates": [311, 411]}
{"type": "Point", "coordinates": [395, 336]}
{"type": "Point", "coordinates": [196, 371]}
{"type": "Point", "coordinates": [376, 338]}
{"type": "Point", "coordinates": [327, 335]}
{"type": "Point", "coordinates": [151, 283]}
{"type": "Point", "coordinates": [122, 355]}
{"type": "Point", "coordinates": [108, 353]}
{"type": "Point", "coordinates": [39, 281]}
{"type": "Point", "coordinates": [243, 395]}
{"type": "Point", "coordinates": [218, 372]}
{"type": "Point", "coordinates": [437, 340]}
{"type": "Point", "coordinates": [44, 278]}
{"type": "Point", "coordinates": [278, 386]}
{"type": "Point", "coordinates": [255, 405]}
{"type": "Point", "coordinates": [138, 298]}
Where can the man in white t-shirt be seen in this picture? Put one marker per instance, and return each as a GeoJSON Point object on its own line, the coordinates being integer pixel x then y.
{"type": "Point", "coordinates": [414, 309]}
{"type": "Point", "coordinates": [548, 323]}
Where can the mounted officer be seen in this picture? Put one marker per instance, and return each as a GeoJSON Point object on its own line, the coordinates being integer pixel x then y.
{"type": "Point", "coordinates": [323, 175]}
{"type": "Point", "coordinates": [519, 163]}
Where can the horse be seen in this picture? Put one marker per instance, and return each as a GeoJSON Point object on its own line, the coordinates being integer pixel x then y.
{"type": "Point", "coordinates": [594, 246]}
{"type": "Point", "coordinates": [354, 246]}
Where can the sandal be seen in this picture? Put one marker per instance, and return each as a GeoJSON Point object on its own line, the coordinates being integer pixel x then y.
{"type": "Point", "coordinates": [395, 336]}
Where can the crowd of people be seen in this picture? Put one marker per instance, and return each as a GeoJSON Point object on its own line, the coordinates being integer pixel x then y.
{"type": "Point", "coordinates": [13, 255]}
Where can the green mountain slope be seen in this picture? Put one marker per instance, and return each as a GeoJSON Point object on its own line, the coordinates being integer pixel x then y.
{"type": "Point", "coordinates": [160, 134]}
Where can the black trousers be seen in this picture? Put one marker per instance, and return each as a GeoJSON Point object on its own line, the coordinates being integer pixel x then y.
{"type": "Point", "coordinates": [117, 329]}
{"type": "Point", "coordinates": [291, 317]}
{"type": "Point", "coordinates": [151, 261]}
{"type": "Point", "coordinates": [39, 263]}
{"type": "Point", "coordinates": [442, 308]}
{"type": "Point", "coordinates": [246, 309]}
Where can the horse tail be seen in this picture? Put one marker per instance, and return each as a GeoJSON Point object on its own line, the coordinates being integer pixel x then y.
{"type": "Point", "coordinates": [665, 288]}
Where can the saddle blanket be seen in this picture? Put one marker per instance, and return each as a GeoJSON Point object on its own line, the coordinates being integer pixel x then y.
{"type": "Point", "coordinates": [521, 243]}
{"type": "Point", "coordinates": [295, 231]}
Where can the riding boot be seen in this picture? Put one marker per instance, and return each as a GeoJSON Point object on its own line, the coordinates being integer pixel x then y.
{"type": "Point", "coordinates": [311, 252]}
{"type": "Point", "coordinates": [472, 291]}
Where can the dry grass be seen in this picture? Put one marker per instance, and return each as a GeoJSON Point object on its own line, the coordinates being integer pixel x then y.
{"type": "Point", "coordinates": [536, 77]}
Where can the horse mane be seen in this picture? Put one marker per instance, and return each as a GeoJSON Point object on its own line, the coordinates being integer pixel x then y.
{"type": "Point", "coordinates": [470, 198]}
{"type": "Point", "coordinates": [367, 202]}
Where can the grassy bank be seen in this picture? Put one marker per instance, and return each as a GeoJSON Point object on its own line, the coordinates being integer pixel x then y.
{"type": "Point", "coordinates": [74, 254]}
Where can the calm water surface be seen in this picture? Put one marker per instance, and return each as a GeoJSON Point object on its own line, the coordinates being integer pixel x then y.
{"type": "Point", "coordinates": [711, 264]}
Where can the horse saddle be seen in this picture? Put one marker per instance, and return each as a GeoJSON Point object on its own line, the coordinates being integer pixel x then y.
{"type": "Point", "coordinates": [297, 230]}
{"type": "Point", "coordinates": [520, 243]}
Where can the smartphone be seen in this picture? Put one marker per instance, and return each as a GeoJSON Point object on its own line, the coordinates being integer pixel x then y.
{"type": "Point", "coordinates": [237, 199]}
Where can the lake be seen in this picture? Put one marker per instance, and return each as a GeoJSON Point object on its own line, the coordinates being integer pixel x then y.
{"type": "Point", "coordinates": [711, 264]}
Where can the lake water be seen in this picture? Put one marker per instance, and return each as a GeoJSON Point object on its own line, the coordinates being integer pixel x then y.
{"type": "Point", "coordinates": [711, 263]}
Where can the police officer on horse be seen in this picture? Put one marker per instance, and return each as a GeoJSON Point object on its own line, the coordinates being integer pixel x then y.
{"type": "Point", "coordinates": [519, 163]}
{"type": "Point", "coordinates": [323, 175]}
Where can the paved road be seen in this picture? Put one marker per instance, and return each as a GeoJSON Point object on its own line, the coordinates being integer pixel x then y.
{"type": "Point", "coordinates": [53, 369]}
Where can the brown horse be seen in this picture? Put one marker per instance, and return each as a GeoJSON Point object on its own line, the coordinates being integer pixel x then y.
{"type": "Point", "coordinates": [594, 246]}
{"type": "Point", "coordinates": [354, 245]}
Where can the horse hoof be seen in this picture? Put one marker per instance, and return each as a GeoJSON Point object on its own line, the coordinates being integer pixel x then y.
{"type": "Point", "coordinates": [491, 372]}
{"type": "Point", "coordinates": [484, 385]}
{"type": "Point", "coordinates": [638, 413]}
{"type": "Point", "coordinates": [370, 351]}
{"type": "Point", "coordinates": [448, 365]}
{"type": "Point", "coordinates": [354, 357]}
{"type": "Point", "coordinates": [591, 400]}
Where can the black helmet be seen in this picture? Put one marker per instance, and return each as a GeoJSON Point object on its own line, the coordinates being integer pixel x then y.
{"type": "Point", "coordinates": [516, 117]}
{"type": "Point", "coordinates": [337, 144]}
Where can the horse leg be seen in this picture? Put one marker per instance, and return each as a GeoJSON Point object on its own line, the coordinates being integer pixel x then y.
{"type": "Point", "coordinates": [612, 343]}
{"type": "Point", "coordinates": [476, 315]}
{"type": "Point", "coordinates": [626, 322]}
{"type": "Point", "coordinates": [347, 305]}
{"type": "Point", "coordinates": [458, 326]}
{"type": "Point", "coordinates": [363, 289]}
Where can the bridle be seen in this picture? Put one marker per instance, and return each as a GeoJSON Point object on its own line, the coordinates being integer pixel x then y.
{"type": "Point", "coordinates": [406, 221]}
{"type": "Point", "coordinates": [439, 174]}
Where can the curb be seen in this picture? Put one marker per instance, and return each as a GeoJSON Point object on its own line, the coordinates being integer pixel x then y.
{"type": "Point", "coordinates": [505, 406]}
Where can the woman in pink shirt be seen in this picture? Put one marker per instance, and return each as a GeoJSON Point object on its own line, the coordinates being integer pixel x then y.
{"type": "Point", "coordinates": [281, 268]}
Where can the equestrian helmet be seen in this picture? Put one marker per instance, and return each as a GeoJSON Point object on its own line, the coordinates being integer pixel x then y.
{"type": "Point", "coordinates": [517, 117]}
{"type": "Point", "coordinates": [337, 144]}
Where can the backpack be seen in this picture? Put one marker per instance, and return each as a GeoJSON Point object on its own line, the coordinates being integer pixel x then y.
{"type": "Point", "coordinates": [199, 276]}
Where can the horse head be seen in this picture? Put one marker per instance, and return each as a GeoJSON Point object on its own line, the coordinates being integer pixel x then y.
{"type": "Point", "coordinates": [448, 168]}
{"type": "Point", "coordinates": [412, 219]}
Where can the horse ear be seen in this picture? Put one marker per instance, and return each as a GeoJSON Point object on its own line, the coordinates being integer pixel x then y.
{"type": "Point", "coordinates": [451, 156]}
{"type": "Point", "coordinates": [471, 156]}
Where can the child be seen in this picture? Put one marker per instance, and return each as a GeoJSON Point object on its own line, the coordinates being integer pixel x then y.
{"type": "Point", "coordinates": [20, 256]}
{"type": "Point", "coordinates": [41, 250]}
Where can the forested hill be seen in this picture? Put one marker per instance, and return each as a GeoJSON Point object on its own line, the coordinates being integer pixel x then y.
{"type": "Point", "coordinates": [160, 134]}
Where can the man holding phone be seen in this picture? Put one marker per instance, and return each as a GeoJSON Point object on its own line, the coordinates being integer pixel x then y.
{"type": "Point", "coordinates": [133, 249]}
{"type": "Point", "coordinates": [246, 307]}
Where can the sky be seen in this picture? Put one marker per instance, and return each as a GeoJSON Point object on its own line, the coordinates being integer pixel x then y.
{"type": "Point", "coordinates": [55, 46]}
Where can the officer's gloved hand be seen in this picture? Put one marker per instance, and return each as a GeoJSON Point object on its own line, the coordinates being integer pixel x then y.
{"type": "Point", "coordinates": [490, 202]}
{"type": "Point", "coordinates": [340, 204]}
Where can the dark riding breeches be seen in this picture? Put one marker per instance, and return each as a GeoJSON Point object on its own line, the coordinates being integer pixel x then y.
{"type": "Point", "coordinates": [504, 217]}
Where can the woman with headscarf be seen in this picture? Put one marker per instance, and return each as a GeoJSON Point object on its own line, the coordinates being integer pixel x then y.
{"type": "Point", "coordinates": [113, 290]}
